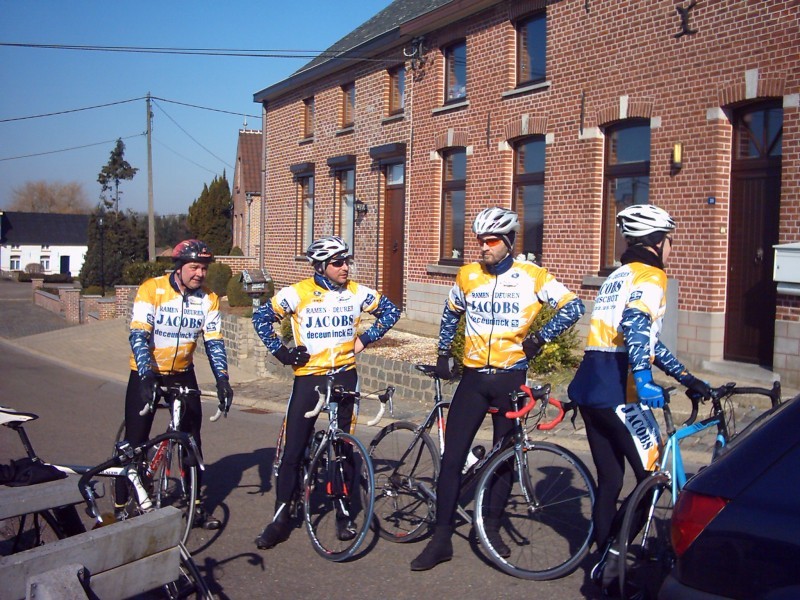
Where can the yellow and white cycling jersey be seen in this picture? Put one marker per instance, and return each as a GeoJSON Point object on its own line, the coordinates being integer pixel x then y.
{"type": "Point", "coordinates": [635, 285]}
{"type": "Point", "coordinates": [174, 323]}
{"type": "Point", "coordinates": [325, 322]}
{"type": "Point", "coordinates": [500, 309]}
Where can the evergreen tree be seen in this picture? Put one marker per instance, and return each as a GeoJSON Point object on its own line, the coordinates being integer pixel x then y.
{"type": "Point", "coordinates": [117, 169]}
{"type": "Point", "coordinates": [121, 240]}
{"type": "Point", "coordinates": [210, 216]}
{"type": "Point", "coordinates": [171, 229]}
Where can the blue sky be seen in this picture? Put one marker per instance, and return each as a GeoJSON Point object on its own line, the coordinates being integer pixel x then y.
{"type": "Point", "coordinates": [41, 81]}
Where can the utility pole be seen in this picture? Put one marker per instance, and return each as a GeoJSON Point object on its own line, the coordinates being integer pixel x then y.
{"type": "Point", "coordinates": [151, 219]}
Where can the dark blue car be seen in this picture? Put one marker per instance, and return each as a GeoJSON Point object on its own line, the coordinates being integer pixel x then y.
{"type": "Point", "coordinates": [736, 525]}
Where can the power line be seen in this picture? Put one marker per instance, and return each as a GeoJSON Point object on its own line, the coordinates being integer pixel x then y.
{"type": "Point", "coordinates": [227, 112]}
{"type": "Point", "coordinates": [64, 112]}
{"type": "Point", "coordinates": [161, 108]}
{"type": "Point", "coordinates": [72, 110]}
{"type": "Point", "coordinates": [73, 148]}
{"type": "Point", "coordinates": [160, 143]}
{"type": "Point", "coordinates": [306, 54]}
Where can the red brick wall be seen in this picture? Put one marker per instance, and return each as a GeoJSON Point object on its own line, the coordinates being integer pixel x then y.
{"type": "Point", "coordinates": [610, 51]}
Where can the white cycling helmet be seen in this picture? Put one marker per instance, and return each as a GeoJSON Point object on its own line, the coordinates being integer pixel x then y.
{"type": "Point", "coordinates": [326, 248]}
{"type": "Point", "coordinates": [495, 220]}
{"type": "Point", "coordinates": [640, 220]}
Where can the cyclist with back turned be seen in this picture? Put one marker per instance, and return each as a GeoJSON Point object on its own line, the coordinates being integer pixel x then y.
{"type": "Point", "coordinates": [616, 372]}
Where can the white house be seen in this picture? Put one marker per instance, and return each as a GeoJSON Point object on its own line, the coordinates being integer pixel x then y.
{"type": "Point", "coordinates": [56, 242]}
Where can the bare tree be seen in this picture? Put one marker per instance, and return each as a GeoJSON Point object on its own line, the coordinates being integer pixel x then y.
{"type": "Point", "coordinates": [50, 197]}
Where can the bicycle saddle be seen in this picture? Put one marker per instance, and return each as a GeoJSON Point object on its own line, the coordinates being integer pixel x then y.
{"type": "Point", "coordinates": [9, 416]}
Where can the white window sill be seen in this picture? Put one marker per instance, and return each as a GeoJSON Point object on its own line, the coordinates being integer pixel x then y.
{"type": "Point", "coordinates": [544, 85]}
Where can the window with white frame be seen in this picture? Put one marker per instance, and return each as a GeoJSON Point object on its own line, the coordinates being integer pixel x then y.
{"type": "Point", "coordinates": [44, 261]}
{"type": "Point", "coordinates": [14, 263]}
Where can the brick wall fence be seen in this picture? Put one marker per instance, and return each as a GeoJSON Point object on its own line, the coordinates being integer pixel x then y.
{"type": "Point", "coordinates": [245, 350]}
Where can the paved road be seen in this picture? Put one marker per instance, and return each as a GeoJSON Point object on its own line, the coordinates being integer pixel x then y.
{"type": "Point", "coordinates": [78, 418]}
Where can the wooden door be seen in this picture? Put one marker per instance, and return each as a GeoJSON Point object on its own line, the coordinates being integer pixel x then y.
{"type": "Point", "coordinates": [754, 219]}
{"type": "Point", "coordinates": [394, 236]}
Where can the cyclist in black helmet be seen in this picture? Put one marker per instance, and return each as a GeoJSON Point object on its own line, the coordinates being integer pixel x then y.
{"type": "Point", "coordinates": [324, 311]}
{"type": "Point", "coordinates": [163, 349]}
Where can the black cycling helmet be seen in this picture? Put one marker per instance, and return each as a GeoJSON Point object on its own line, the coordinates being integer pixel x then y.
{"type": "Point", "coordinates": [192, 251]}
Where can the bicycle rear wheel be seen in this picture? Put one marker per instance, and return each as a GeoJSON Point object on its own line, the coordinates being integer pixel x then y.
{"type": "Point", "coordinates": [174, 483]}
{"type": "Point", "coordinates": [406, 470]}
{"type": "Point", "coordinates": [339, 497]}
{"type": "Point", "coordinates": [645, 554]}
{"type": "Point", "coordinates": [30, 531]}
{"type": "Point", "coordinates": [547, 520]}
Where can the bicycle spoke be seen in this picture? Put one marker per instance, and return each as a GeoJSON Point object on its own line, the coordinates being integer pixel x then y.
{"type": "Point", "coordinates": [406, 469]}
{"type": "Point", "coordinates": [545, 518]}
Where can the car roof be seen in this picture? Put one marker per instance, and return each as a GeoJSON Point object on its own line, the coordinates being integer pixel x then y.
{"type": "Point", "coordinates": [751, 452]}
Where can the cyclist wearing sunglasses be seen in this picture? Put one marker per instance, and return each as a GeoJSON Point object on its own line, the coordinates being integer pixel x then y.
{"type": "Point", "coordinates": [499, 298]}
{"type": "Point", "coordinates": [614, 383]}
{"type": "Point", "coordinates": [325, 311]}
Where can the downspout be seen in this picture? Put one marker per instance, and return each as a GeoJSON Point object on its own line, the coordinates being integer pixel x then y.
{"type": "Point", "coordinates": [378, 223]}
{"type": "Point", "coordinates": [263, 208]}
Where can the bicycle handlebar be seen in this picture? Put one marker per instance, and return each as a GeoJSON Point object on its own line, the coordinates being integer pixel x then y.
{"type": "Point", "coordinates": [126, 456]}
{"type": "Point", "coordinates": [164, 392]}
{"type": "Point", "coordinates": [383, 399]}
{"type": "Point", "coordinates": [730, 389]}
{"type": "Point", "coordinates": [542, 394]}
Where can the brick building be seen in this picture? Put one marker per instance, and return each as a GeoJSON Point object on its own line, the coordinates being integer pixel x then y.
{"type": "Point", "coordinates": [566, 111]}
{"type": "Point", "coordinates": [246, 196]}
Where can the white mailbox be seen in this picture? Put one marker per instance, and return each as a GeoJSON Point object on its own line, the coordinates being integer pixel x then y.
{"type": "Point", "coordinates": [786, 271]}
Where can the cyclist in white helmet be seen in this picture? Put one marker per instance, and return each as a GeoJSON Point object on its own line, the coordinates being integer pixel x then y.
{"type": "Point", "coordinates": [623, 343]}
{"type": "Point", "coordinates": [325, 311]}
{"type": "Point", "coordinates": [499, 297]}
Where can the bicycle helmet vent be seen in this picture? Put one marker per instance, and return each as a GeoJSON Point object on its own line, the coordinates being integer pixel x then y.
{"type": "Point", "coordinates": [495, 220]}
{"type": "Point", "coordinates": [640, 220]}
{"type": "Point", "coordinates": [326, 248]}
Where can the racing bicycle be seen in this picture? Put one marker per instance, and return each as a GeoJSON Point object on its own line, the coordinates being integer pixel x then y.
{"type": "Point", "coordinates": [547, 522]}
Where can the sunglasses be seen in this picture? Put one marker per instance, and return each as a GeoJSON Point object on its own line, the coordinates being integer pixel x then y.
{"type": "Point", "coordinates": [491, 242]}
{"type": "Point", "coordinates": [340, 262]}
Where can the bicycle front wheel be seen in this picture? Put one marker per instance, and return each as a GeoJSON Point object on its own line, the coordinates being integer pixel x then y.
{"type": "Point", "coordinates": [645, 554]}
{"type": "Point", "coordinates": [190, 583]}
{"type": "Point", "coordinates": [406, 467]}
{"type": "Point", "coordinates": [546, 521]}
{"type": "Point", "coordinates": [339, 495]}
{"type": "Point", "coordinates": [174, 482]}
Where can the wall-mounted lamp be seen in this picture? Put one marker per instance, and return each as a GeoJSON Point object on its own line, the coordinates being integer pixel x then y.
{"type": "Point", "coordinates": [677, 156]}
{"type": "Point", "coordinates": [361, 207]}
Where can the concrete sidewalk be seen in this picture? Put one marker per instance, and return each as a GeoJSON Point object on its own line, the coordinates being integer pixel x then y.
{"type": "Point", "coordinates": [102, 349]}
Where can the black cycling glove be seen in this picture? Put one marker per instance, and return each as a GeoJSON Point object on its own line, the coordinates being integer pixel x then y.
{"type": "Point", "coordinates": [444, 369]}
{"type": "Point", "coordinates": [148, 387]}
{"type": "Point", "coordinates": [532, 346]}
{"type": "Point", "coordinates": [294, 357]}
{"type": "Point", "coordinates": [225, 395]}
